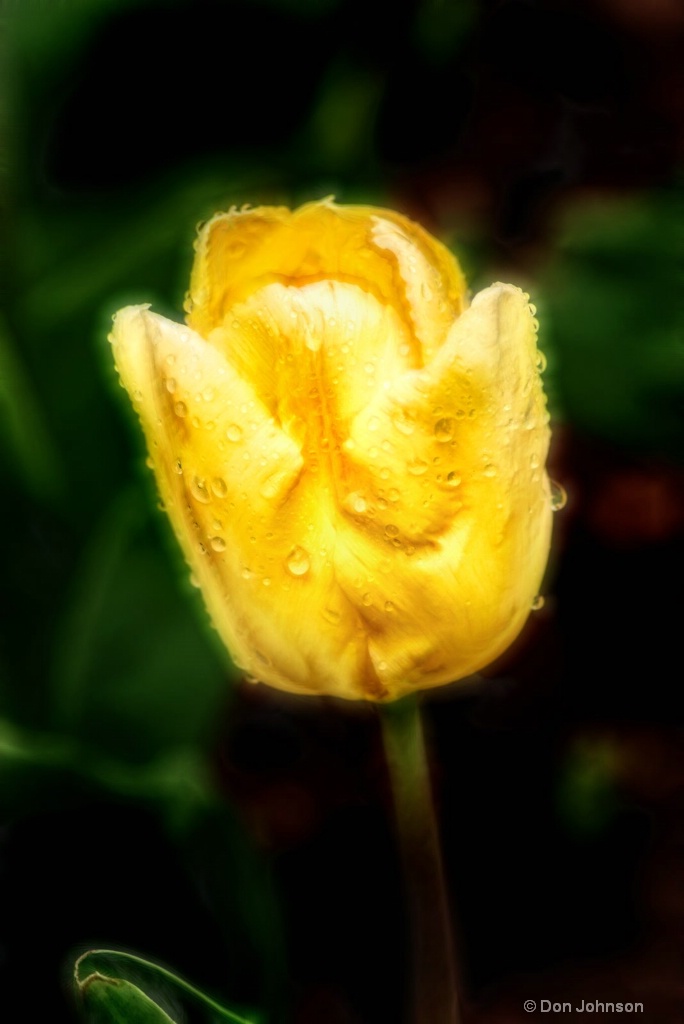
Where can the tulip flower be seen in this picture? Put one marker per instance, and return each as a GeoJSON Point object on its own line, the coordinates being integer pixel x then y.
{"type": "Point", "coordinates": [350, 453]}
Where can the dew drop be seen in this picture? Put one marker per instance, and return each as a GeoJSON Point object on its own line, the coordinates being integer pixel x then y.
{"type": "Point", "coordinates": [170, 359]}
{"type": "Point", "coordinates": [357, 503]}
{"type": "Point", "coordinates": [269, 487]}
{"type": "Point", "coordinates": [489, 470]}
{"type": "Point", "coordinates": [236, 249]}
{"type": "Point", "coordinates": [218, 543]}
{"type": "Point", "coordinates": [367, 600]}
{"type": "Point", "coordinates": [234, 433]}
{"type": "Point", "coordinates": [171, 384]}
{"type": "Point", "coordinates": [298, 561]}
{"type": "Point", "coordinates": [541, 361]}
{"type": "Point", "coordinates": [389, 606]}
{"type": "Point", "coordinates": [538, 603]}
{"type": "Point", "coordinates": [194, 582]}
{"type": "Point", "coordinates": [391, 530]}
{"type": "Point", "coordinates": [266, 581]}
{"type": "Point", "coordinates": [417, 467]}
{"type": "Point", "coordinates": [219, 487]}
{"type": "Point", "coordinates": [198, 489]}
{"type": "Point", "coordinates": [178, 467]}
{"type": "Point", "coordinates": [331, 615]}
{"type": "Point", "coordinates": [181, 409]}
{"type": "Point", "coordinates": [453, 479]}
{"type": "Point", "coordinates": [559, 497]}
{"type": "Point", "coordinates": [444, 429]}
{"type": "Point", "coordinates": [403, 424]}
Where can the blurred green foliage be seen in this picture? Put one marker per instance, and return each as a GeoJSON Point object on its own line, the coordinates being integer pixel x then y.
{"type": "Point", "coordinates": [615, 319]}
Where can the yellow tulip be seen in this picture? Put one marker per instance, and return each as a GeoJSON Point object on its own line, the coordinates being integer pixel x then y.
{"type": "Point", "coordinates": [351, 455]}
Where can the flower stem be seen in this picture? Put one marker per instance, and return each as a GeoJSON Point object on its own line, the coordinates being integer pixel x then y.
{"type": "Point", "coordinates": [435, 998]}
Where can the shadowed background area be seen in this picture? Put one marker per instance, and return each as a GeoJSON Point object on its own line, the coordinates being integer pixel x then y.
{"type": "Point", "coordinates": [150, 800]}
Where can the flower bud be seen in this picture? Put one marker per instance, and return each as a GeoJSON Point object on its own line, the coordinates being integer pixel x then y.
{"type": "Point", "coordinates": [351, 455]}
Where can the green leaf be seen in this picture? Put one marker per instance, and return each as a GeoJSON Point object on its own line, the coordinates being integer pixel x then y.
{"type": "Point", "coordinates": [108, 997]}
{"type": "Point", "coordinates": [113, 1001]}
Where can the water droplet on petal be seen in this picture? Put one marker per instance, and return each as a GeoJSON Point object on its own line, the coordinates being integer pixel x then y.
{"type": "Point", "coordinates": [453, 479]}
{"type": "Point", "coordinates": [417, 467]}
{"type": "Point", "coordinates": [269, 487]}
{"type": "Point", "coordinates": [236, 249]}
{"type": "Point", "coordinates": [489, 470]}
{"type": "Point", "coordinates": [219, 487]}
{"type": "Point", "coordinates": [218, 543]}
{"type": "Point", "coordinates": [444, 429]}
{"type": "Point", "coordinates": [332, 616]}
{"type": "Point", "coordinates": [234, 432]}
{"type": "Point", "coordinates": [391, 530]}
{"type": "Point", "coordinates": [541, 361]}
{"type": "Point", "coordinates": [538, 603]}
{"type": "Point", "coordinates": [298, 561]}
{"type": "Point", "coordinates": [171, 384]}
{"type": "Point", "coordinates": [178, 467]}
{"type": "Point", "coordinates": [367, 600]}
{"type": "Point", "coordinates": [181, 409]}
{"type": "Point", "coordinates": [356, 502]}
{"type": "Point", "coordinates": [198, 489]}
{"type": "Point", "coordinates": [389, 606]}
{"type": "Point", "coordinates": [403, 423]}
{"type": "Point", "coordinates": [559, 497]}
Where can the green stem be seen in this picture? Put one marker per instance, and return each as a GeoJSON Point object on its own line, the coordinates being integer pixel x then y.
{"type": "Point", "coordinates": [435, 998]}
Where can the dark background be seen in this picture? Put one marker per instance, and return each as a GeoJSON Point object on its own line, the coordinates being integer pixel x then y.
{"type": "Point", "coordinates": [152, 801]}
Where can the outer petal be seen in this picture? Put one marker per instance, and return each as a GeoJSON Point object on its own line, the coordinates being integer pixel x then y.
{"type": "Point", "coordinates": [253, 522]}
{"type": "Point", "coordinates": [378, 250]}
{"type": "Point", "coordinates": [453, 536]}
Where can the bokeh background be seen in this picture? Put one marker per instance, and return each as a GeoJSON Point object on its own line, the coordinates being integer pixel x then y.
{"type": "Point", "coordinates": [152, 801]}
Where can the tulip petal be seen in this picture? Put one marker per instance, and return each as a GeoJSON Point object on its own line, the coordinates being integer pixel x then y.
{"type": "Point", "coordinates": [380, 251]}
{"type": "Point", "coordinates": [256, 528]}
{"type": "Point", "coordinates": [315, 354]}
{"type": "Point", "coordinates": [469, 548]}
